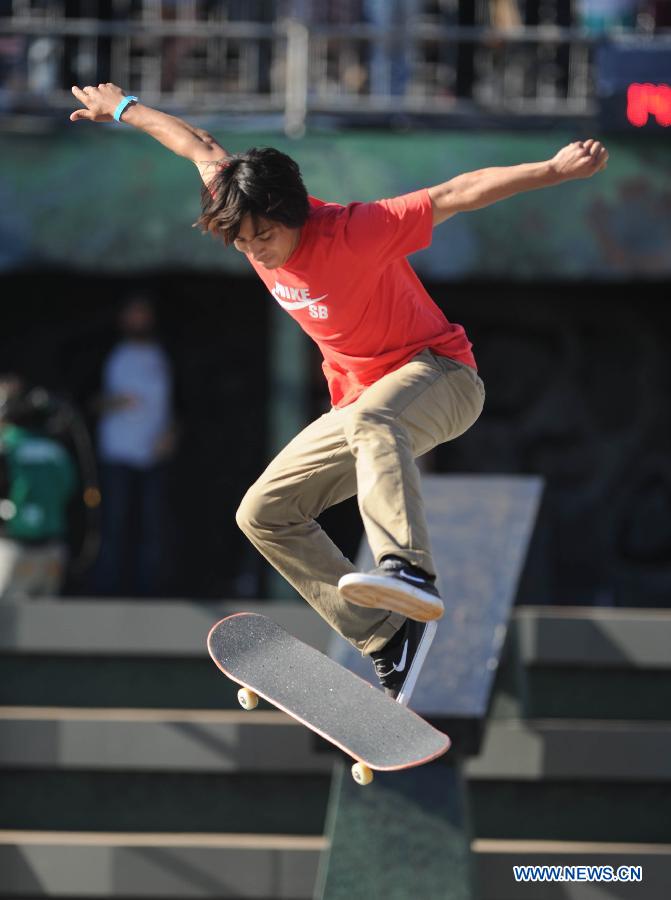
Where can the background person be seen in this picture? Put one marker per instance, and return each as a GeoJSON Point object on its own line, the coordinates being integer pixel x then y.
{"type": "Point", "coordinates": [135, 440]}
{"type": "Point", "coordinates": [37, 482]}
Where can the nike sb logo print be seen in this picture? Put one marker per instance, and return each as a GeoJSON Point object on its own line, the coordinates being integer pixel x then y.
{"type": "Point", "coordinates": [299, 298]}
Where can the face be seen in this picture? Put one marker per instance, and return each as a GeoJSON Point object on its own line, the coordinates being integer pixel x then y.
{"type": "Point", "coordinates": [137, 319]}
{"type": "Point", "coordinates": [266, 242]}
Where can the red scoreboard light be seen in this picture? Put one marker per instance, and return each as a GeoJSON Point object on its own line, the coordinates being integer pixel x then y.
{"type": "Point", "coordinates": [633, 84]}
{"type": "Point", "coordinates": [645, 100]}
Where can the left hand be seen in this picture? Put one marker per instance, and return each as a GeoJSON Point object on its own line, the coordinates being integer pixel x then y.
{"type": "Point", "coordinates": [582, 159]}
{"type": "Point", "coordinates": [99, 102]}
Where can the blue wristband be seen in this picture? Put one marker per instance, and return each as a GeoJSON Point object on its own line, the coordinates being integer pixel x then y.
{"type": "Point", "coordinates": [118, 112]}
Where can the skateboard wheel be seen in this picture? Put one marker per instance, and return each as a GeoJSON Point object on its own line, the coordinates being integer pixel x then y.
{"type": "Point", "coordinates": [361, 773]}
{"type": "Point", "coordinates": [247, 699]}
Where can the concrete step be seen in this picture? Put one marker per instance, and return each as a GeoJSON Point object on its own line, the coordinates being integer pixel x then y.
{"type": "Point", "coordinates": [175, 628]}
{"type": "Point", "coordinates": [565, 780]}
{"type": "Point", "coordinates": [163, 801]}
{"type": "Point", "coordinates": [158, 865]}
{"type": "Point", "coordinates": [556, 749]}
{"type": "Point", "coordinates": [575, 662]}
{"type": "Point", "coordinates": [592, 693]}
{"type": "Point", "coordinates": [494, 861]}
{"type": "Point", "coordinates": [78, 680]}
{"type": "Point", "coordinates": [611, 810]}
{"type": "Point", "coordinates": [126, 654]}
{"type": "Point", "coordinates": [159, 740]}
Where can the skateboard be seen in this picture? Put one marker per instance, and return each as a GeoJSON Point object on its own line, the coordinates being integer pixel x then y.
{"type": "Point", "coordinates": [268, 662]}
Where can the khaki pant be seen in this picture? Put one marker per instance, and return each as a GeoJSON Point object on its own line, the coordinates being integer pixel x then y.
{"type": "Point", "coordinates": [367, 448]}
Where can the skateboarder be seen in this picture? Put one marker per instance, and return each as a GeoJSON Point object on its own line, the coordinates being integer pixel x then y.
{"type": "Point", "coordinates": [402, 378]}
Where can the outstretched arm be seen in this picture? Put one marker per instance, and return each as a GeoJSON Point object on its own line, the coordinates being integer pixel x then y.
{"type": "Point", "coordinates": [183, 139]}
{"type": "Point", "coordinates": [474, 190]}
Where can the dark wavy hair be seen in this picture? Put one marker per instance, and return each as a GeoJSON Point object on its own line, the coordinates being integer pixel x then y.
{"type": "Point", "coordinates": [262, 182]}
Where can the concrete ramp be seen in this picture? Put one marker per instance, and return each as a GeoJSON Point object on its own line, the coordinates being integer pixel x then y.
{"type": "Point", "coordinates": [409, 835]}
{"type": "Point", "coordinates": [480, 528]}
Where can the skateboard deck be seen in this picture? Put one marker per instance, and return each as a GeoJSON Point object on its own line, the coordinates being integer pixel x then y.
{"type": "Point", "coordinates": [369, 726]}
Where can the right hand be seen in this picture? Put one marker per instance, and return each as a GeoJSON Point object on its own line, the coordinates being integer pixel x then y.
{"type": "Point", "coordinates": [99, 102]}
{"type": "Point", "coordinates": [581, 159]}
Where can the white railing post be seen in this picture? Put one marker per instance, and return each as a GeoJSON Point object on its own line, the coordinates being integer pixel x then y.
{"type": "Point", "coordinates": [296, 84]}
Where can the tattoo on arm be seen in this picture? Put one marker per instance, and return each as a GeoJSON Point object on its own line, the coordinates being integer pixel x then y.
{"type": "Point", "coordinates": [210, 168]}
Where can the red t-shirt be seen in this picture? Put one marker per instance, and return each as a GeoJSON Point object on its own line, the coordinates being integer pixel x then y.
{"type": "Point", "coordinates": [350, 287]}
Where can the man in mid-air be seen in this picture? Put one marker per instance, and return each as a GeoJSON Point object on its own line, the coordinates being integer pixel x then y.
{"type": "Point", "coordinates": [401, 377]}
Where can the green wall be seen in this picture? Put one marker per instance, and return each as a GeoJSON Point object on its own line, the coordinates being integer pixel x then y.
{"type": "Point", "coordinates": [108, 198]}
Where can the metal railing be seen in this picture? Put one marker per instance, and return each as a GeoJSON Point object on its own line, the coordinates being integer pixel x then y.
{"type": "Point", "coordinates": [293, 69]}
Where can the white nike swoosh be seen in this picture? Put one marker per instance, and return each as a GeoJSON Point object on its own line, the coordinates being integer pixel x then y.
{"type": "Point", "coordinates": [298, 304]}
{"type": "Point", "coordinates": [413, 578]}
{"type": "Point", "coordinates": [398, 667]}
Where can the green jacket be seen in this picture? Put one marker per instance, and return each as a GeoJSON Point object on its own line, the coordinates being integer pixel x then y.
{"type": "Point", "coordinates": [40, 478]}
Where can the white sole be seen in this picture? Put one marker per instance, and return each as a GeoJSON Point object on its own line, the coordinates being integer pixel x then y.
{"type": "Point", "coordinates": [416, 666]}
{"type": "Point", "coordinates": [386, 592]}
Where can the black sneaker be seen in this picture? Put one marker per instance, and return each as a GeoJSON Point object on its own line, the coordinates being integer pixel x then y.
{"type": "Point", "coordinates": [399, 663]}
{"type": "Point", "coordinates": [397, 586]}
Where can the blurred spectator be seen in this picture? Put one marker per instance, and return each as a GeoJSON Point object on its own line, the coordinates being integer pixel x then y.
{"type": "Point", "coordinates": [88, 59]}
{"type": "Point", "coordinates": [482, 66]}
{"type": "Point", "coordinates": [601, 16]}
{"type": "Point", "coordinates": [37, 482]}
{"type": "Point", "coordinates": [174, 49]}
{"type": "Point", "coordinates": [323, 12]}
{"type": "Point", "coordinates": [660, 11]}
{"type": "Point", "coordinates": [136, 438]}
{"type": "Point", "coordinates": [43, 60]}
{"type": "Point", "coordinates": [12, 55]}
{"type": "Point", "coordinates": [505, 14]}
{"type": "Point", "coordinates": [12, 69]}
{"type": "Point", "coordinates": [390, 59]}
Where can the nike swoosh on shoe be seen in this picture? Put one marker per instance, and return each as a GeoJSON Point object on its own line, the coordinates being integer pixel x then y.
{"type": "Point", "coordinates": [406, 576]}
{"type": "Point", "coordinates": [398, 667]}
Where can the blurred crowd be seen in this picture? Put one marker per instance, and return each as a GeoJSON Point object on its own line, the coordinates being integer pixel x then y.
{"type": "Point", "coordinates": [596, 13]}
{"type": "Point", "coordinates": [64, 506]}
{"type": "Point", "coordinates": [36, 64]}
